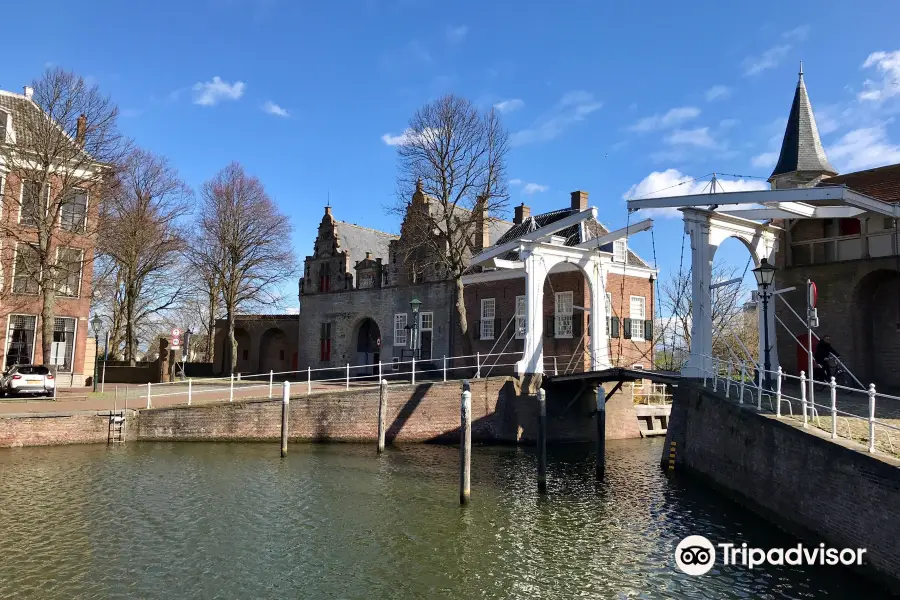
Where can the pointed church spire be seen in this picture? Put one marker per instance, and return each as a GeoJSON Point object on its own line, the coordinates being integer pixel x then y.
{"type": "Point", "coordinates": [802, 154]}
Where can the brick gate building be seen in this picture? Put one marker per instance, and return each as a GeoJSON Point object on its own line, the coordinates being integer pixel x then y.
{"type": "Point", "coordinates": [855, 262]}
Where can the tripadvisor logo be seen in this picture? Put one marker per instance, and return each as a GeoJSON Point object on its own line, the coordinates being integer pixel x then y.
{"type": "Point", "coordinates": [696, 555]}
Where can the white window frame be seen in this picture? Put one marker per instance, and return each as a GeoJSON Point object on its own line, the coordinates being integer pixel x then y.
{"type": "Point", "coordinates": [488, 314]}
{"type": "Point", "coordinates": [563, 311]}
{"type": "Point", "coordinates": [395, 364]}
{"type": "Point", "coordinates": [643, 316]}
{"type": "Point", "coordinates": [400, 334]}
{"type": "Point", "coordinates": [87, 202]}
{"type": "Point", "coordinates": [13, 280]}
{"type": "Point", "coordinates": [521, 309]}
{"type": "Point", "coordinates": [77, 293]}
{"type": "Point", "coordinates": [22, 199]}
{"type": "Point", "coordinates": [620, 251]}
{"type": "Point", "coordinates": [33, 341]}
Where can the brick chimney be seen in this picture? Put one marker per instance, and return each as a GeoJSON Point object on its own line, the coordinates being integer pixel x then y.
{"type": "Point", "coordinates": [579, 200]}
{"type": "Point", "coordinates": [482, 229]}
{"type": "Point", "coordinates": [81, 129]}
{"type": "Point", "coordinates": [522, 214]}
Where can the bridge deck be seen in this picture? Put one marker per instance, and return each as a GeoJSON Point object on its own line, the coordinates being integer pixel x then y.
{"type": "Point", "coordinates": [617, 374]}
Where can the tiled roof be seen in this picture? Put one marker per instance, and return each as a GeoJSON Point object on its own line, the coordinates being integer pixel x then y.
{"type": "Point", "coordinates": [358, 240]}
{"type": "Point", "coordinates": [17, 106]}
{"type": "Point", "coordinates": [571, 234]}
{"type": "Point", "coordinates": [801, 148]}
{"type": "Point", "coordinates": [882, 183]}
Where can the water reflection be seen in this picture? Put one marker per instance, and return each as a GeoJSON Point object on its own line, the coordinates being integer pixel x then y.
{"type": "Point", "coordinates": [234, 521]}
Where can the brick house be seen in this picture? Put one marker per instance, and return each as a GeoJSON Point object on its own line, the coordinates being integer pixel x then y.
{"type": "Point", "coordinates": [496, 307]}
{"type": "Point", "coordinates": [73, 244]}
{"type": "Point", "coordinates": [855, 262]}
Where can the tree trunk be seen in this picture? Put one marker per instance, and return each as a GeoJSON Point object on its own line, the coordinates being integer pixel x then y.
{"type": "Point", "coordinates": [232, 342]}
{"type": "Point", "coordinates": [48, 315]}
{"type": "Point", "coordinates": [461, 316]}
{"type": "Point", "coordinates": [211, 329]}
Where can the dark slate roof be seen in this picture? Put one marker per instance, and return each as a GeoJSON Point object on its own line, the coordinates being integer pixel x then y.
{"type": "Point", "coordinates": [17, 106]}
{"type": "Point", "coordinates": [571, 234]}
{"type": "Point", "coordinates": [358, 240]}
{"type": "Point", "coordinates": [881, 183]}
{"type": "Point", "coordinates": [801, 148]}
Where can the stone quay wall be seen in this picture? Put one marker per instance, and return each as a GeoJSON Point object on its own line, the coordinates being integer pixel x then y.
{"type": "Point", "coordinates": [56, 429]}
{"type": "Point", "coordinates": [817, 488]}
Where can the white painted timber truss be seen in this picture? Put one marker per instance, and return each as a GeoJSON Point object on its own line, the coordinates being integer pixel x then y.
{"type": "Point", "coordinates": [539, 253]}
{"type": "Point", "coordinates": [709, 227]}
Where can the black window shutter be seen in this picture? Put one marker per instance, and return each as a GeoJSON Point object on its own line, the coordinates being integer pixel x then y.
{"type": "Point", "coordinates": [498, 327]}
{"type": "Point", "coordinates": [549, 326]}
{"type": "Point", "coordinates": [477, 330]}
{"type": "Point", "coordinates": [324, 333]}
{"type": "Point", "coordinates": [626, 326]}
{"type": "Point", "coordinates": [577, 322]}
{"type": "Point", "coordinates": [648, 330]}
{"type": "Point", "coordinates": [614, 321]}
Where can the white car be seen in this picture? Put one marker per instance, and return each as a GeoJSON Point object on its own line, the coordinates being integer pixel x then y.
{"type": "Point", "coordinates": [27, 379]}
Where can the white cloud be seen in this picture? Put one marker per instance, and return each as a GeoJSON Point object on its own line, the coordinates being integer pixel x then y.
{"type": "Point", "coordinates": [728, 123]}
{"type": "Point", "coordinates": [672, 182]}
{"type": "Point", "coordinates": [456, 34]}
{"type": "Point", "coordinates": [515, 182]}
{"type": "Point", "coordinates": [863, 149]}
{"type": "Point", "coordinates": [407, 137]}
{"type": "Point", "coordinates": [888, 63]}
{"type": "Point", "coordinates": [771, 58]}
{"type": "Point", "coordinates": [765, 160]}
{"type": "Point", "coordinates": [672, 118]}
{"type": "Point", "coordinates": [292, 310]}
{"type": "Point", "coordinates": [717, 92]}
{"type": "Point", "coordinates": [509, 105]}
{"type": "Point", "coordinates": [572, 107]}
{"type": "Point", "coordinates": [692, 137]}
{"type": "Point", "coordinates": [800, 33]}
{"type": "Point", "coordinates": [273, 109]}
{"type": "Point", "coordinates": [210, 93]}
{"type": "Point", "coordinates": [532, 188]}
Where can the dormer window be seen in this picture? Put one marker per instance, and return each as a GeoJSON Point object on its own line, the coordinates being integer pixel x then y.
{"type": "Point", "coordinates": [367, 280]}
{"type": "Point", "coordinates": [619, 249]}
{"type": "Point", "coordinates": [4, 123]}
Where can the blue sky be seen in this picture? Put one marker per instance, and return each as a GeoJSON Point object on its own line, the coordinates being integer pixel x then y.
{"type": "Point", "coordinates": [615, 99]}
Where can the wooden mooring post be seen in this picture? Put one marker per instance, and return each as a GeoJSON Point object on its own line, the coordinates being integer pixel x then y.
{"type": "Point", "coordinates": [382, 410]}
{"type": "Point", "coordinates": [601, 433]}
{"type": "Point", "coordinates": [465, 443]}
{"type": "Point", "coordinates": [285, 405]}
{"type": "Point", "coordinates": [542, 441]}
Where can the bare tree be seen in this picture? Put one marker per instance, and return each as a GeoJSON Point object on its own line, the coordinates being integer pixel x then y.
{"type": "Point", "coordinates": [143, 234]}
{"type": "Point", "coordinates": [205, 258]}
{"type": "Point", "coordinates": [729, 317]}
{"type": "Point", "coordinates": [452, 163]}
{"type": "Point", "coordinates": [59, 155]}
{"type": "Point", "coordinates": [244, 242]}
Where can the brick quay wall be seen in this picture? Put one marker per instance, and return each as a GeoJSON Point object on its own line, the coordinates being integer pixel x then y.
{"type": "Point", "coordinates": [819, 489]}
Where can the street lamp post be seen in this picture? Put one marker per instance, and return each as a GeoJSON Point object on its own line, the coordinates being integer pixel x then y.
{"type": "Point", "coordinates": [96, 323]}
{"type": "Point", "coordinates": [765, 276]}
{"type": "Point", "coordinates": [414, 305]}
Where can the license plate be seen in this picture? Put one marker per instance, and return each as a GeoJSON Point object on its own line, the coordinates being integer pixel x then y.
{"type": "Point", "coordinates": [33, 379]}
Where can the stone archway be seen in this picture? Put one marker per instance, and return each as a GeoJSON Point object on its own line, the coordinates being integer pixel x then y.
{"type": "Point", "coordinates": [368, 345]}
{"type": "Point", "coordinates": [273, 351]}
{"type": "Point", "coordinates": [877, 339]}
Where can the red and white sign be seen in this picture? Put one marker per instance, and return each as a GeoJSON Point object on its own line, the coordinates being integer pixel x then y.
{"type": "Point", "coordinates": [176, 333]}
{"type": "Point", "coordinates": [813, 294]}
{"type": "Point", "coordinates": [175, 342]}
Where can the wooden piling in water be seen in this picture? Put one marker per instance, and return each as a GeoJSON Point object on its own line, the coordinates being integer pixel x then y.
{"type": "Point", "coordinates": [542, 441]}
{"type": "Point", "coordinates": [285, 404]}
{"type": "Point", "coordinates": [465, 443]}
{"type": "Point", "coordinates": [382, 414]}
{"type": "Point", "coordinates": [601, 433]}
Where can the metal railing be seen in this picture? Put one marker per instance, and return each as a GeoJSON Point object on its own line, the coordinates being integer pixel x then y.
{"type": "Point", "coordinates": [850, 412]}
{"type": "Point", "coordinates": [262, 385]}
{"type": "Point", "coordinates": [650, 393]}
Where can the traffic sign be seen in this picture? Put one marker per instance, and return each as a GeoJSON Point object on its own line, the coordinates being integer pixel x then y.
{"type": "Point", "coordinates": [813, 294]}
{"type": "Point", "coordinates": [176, 333]}
{"type": "Point", "coordinates": [175, 342]}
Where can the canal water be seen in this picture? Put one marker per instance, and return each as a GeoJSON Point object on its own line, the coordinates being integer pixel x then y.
{"type": "Point", "coordinates": [336, 521]}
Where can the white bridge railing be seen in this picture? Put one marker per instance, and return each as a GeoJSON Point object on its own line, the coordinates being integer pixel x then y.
{"type": "Point", "coordinates": [345, 377]}
{"type": "Point", "coordinates": [848, 412]}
